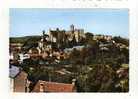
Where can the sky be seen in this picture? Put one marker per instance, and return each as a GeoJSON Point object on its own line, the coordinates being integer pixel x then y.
{"type": "Point", "coordinates": [27, 21]}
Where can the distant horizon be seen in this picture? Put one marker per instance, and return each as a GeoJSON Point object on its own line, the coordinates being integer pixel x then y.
{"type": "Point", "coordinates": [85, 32]}
{"type": "Point", "coordinates": [29, 22]}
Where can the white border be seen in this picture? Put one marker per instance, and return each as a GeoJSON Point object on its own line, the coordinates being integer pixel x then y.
{"type": "Point", "coordinates": [4, 39]}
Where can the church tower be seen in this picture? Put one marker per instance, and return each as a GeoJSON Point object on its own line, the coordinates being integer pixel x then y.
{"type": "Point", "coordinates": [72, 28]}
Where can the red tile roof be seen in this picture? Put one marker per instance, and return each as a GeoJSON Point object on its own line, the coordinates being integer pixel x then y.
{"type": "Point", "coordinates": [54, 87]}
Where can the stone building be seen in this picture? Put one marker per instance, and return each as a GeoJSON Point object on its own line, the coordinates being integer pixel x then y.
{"type": "Point", "coordinates": [78, 34]}
{"type": "Point", "coordinates": [18, 80]}
{"type": "Point", "coordinates": [106, 37]}
{"type": "Point", "coordinates": [44, 43]}
{"type": "Point", "coordinates": [62, 37]}
{"type": "Point", "coordinates": [58, 37]}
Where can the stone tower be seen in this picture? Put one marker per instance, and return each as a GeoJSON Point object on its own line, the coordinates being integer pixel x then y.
{"type": "Point", "coordinates": [72, 28]}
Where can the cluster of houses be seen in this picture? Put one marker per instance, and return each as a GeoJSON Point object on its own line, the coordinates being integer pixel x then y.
{"type": "Point", "coordinates": [19, 83]}
{"type": "Point", "coordinates": [49, 46]}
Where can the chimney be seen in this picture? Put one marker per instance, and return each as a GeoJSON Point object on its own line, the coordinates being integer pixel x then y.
{"type": "Point", "coordinates": [73, 81]}
{"type": "Point", "coordinates": [42, 87]}
{"type": "Point", "coordinates": [27, 89]}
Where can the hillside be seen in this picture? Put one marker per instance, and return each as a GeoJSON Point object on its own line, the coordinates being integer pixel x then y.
{"type": "Point", "coordinates": [24, 39]}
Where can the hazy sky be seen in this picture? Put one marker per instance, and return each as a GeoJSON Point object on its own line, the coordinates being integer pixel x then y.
{"type": "Point", "coordinates": [98, 21]}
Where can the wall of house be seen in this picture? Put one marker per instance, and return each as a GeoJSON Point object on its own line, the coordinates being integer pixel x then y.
{"type": "Point", "coordinates": [20, 82]}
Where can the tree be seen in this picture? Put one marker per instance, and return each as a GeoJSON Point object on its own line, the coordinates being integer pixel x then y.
{"type": "Point", "coordinates": [75, 56]}
{"type": "Point", "coordinates": [99, 78]}
{"type": "Point", "coordinates": [89, 36]}
{"type": "Point", "coordinates": [119, 39]}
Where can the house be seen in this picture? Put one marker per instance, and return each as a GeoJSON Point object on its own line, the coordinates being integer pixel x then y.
{"type": "Point", "coordinates": [106, 37]}
{"type": "Point", "coordinates": [14, 56]}
{"type": "Point", "coordinates": [44, 86]}
{"type": "Point", "coordinates": [63, 71]}
{"type": "Point", "coordinates": [123, 71]}
{"type": "Point", "coordinates": [15, 46]}
{"type": "Point", "coordinates": [18, 79]}
{"type": "Point", "coordinates": [23, 57]}
{"type": "Point", "coordinates": [34, 53]}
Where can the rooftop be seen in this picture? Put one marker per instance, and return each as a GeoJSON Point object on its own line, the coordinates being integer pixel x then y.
{"type": "Point", "coordinates": [14, 71]}
{"type": "Point", "coordinates": [53, 87]}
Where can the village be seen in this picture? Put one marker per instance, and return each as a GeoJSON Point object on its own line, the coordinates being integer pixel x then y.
{"type": "Point", "coordinates": [69, 61]}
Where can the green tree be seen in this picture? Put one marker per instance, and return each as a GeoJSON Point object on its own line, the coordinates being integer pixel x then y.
{"type": "Point", "coordinates": [89, 36]}
{"type": "Point", "coordinates": [99, 78]}
{"type": "Point", "coordinates": [119, 39]}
